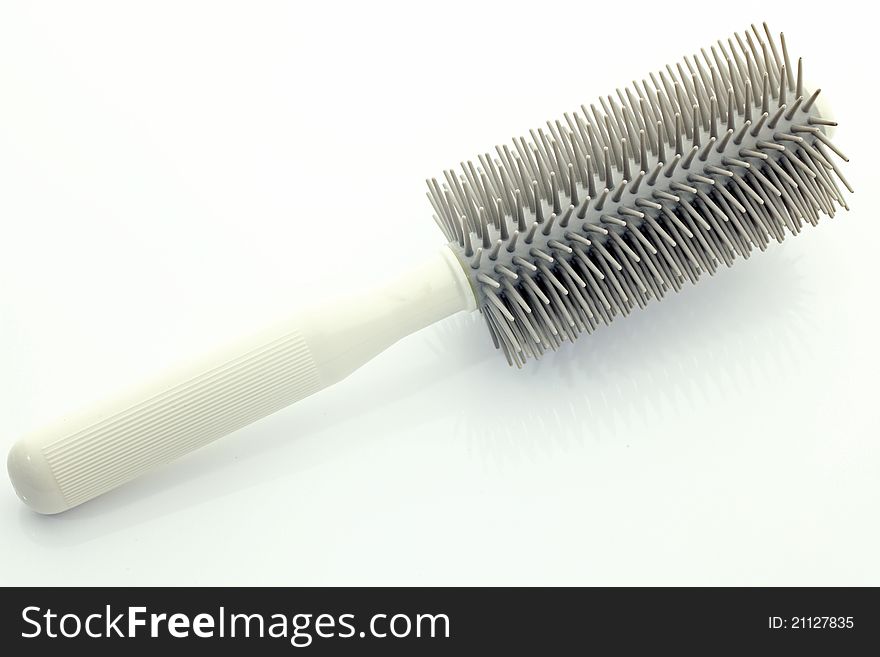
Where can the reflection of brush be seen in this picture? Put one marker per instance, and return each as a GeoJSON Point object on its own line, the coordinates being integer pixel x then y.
{"type": "Point", "coordinates": [551, 237]}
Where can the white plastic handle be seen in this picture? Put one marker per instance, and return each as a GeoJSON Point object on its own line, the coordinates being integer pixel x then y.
{"type": "Point", "coordinates": [79, 458]}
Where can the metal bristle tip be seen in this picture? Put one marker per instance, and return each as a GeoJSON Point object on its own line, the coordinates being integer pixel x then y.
{"type": "Point", "coordinates": [602, 211]}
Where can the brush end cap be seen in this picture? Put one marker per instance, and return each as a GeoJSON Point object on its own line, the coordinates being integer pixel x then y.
{"type": "Point", "coordinates": [33, 480]}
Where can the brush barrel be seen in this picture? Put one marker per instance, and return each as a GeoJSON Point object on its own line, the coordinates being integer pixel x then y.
{"type": "Point", "coordinates": [83, 456]}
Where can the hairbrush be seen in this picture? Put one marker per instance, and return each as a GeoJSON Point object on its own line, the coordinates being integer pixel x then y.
{"type": "Point", "coordinates": [549, 236]}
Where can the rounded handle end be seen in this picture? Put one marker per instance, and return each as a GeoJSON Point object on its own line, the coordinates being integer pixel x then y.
{"type": "Point", "coordinates": [33, 480]}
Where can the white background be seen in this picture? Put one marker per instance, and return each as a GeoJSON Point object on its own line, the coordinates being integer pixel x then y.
{"type": "Point", "coordinates": [175, 174]}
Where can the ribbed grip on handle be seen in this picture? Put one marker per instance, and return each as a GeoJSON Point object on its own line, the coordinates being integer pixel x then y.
{"type": "Point", "coordinates": [188, 416]}
{"type": "Point", "coordinates": [79, 458]}
{"type": "Point", "coordinates": [122, 445]}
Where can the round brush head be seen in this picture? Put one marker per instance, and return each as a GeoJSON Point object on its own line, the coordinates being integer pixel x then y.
{"type": "Point", "coordinates": [600, 212]}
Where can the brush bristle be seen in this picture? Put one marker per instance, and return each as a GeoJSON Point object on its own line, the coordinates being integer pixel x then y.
{"type": "Point", "coordinates": [611, 207]}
